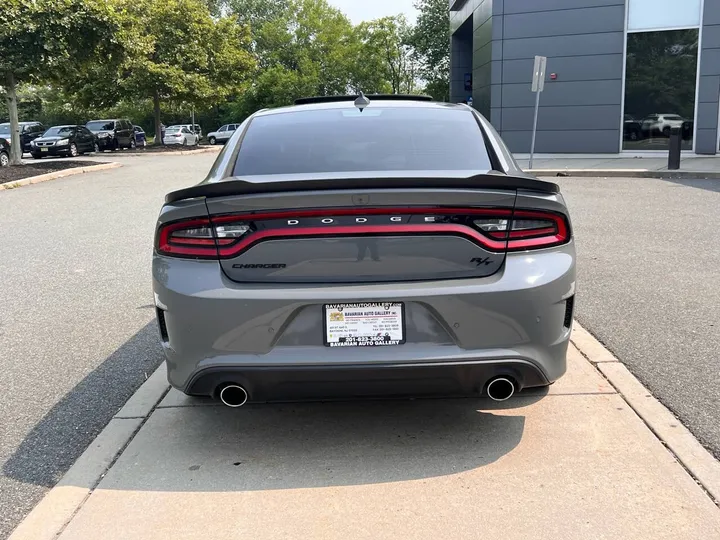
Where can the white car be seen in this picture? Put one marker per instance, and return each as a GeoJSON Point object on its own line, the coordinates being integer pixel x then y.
{"type": "Point", "coordinates": [223, 134]}
{"type": "Point", "coordinates": [180, 135]}
{"type": "Point", "coordinates": [661, 124]}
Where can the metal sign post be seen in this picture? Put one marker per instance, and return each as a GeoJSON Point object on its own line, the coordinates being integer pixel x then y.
{"type": "Point", "coordinates": [538, 85]}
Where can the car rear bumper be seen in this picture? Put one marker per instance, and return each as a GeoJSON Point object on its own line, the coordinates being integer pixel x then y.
{"type": "Point", "coordinates": [264, 383]}
{"type": "Point", "coordinates": [460, 333]}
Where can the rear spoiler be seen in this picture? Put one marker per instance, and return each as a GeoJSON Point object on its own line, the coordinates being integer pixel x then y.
{"type": "Point", "coordinates": [238, 186]}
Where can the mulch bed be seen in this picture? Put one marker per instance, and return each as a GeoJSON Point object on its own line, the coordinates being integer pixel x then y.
{"type": "Point", "coordinates": [13, 174]}
{"type": "Point", "coordinates": [150, 149]}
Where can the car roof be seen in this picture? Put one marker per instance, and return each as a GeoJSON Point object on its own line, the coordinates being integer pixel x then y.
{"type": "Point", "coordinates": [65, 125]}
{"type": "Point", "coordinates": [378, 103]}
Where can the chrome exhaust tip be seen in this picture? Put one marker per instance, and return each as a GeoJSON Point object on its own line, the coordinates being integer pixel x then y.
{"type": "Point", "coordinates": [233, 395]}
{"type": "Point", "coordinates": [500, 389]}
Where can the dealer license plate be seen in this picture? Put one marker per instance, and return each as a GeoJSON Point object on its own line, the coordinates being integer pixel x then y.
{"type": "Point", "coordinates": [364, 325]}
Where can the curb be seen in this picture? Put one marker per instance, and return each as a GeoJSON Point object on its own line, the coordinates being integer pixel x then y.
{"type": "Point", "coordinates": [59, 174]}
{"type": "Point", "coordinates": [701, 465]}
{"type": "Point", "coordinates": [203, 150]}
{"type": "Point", "coordinates": [58, 507]}
{"type": "Point", "coordinates": [625, 173]}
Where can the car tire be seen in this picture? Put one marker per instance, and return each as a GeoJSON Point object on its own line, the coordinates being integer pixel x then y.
{"type": "Point", "coordinates": [73, 150]}
{"type": "Point", "coordinates": [133, 144]}
{"type": "Point", "coordinates": [4, 159]}
{"type": "Point", "coordinates": [212, 140]}
{"type": "Point", "coordinates": [115, 145]}
{"type": "Point", "coordinates": [666, 131]}
{"type": "Point", "coordinates": [184, 143]}
{"type": "Point", "coordinates": [96, 148]}
{"type": "Point", "coordinates": [36, 156]}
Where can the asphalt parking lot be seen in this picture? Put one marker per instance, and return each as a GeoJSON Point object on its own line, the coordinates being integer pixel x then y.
{"type": "Point", "coordinates": [648, 272]}
{"type": "Point", "coordinates": [77, 334]}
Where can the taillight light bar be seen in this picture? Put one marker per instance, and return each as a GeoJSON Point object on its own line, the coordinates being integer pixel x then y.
{"type": "Point", "coordinates": [495, 229]}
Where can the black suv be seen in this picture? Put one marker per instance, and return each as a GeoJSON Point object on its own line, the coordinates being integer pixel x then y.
{"type": "Point", "coordinates": [112, 134]}
{"type": "Point", "coordinates": [29, 131]}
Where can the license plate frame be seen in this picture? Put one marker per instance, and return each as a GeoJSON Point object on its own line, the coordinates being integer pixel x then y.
{"type": "Point", "coordinates": [366, 326]}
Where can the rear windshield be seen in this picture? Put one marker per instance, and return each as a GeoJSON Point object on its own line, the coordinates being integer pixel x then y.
{"type": "Point", "coordinates": [4, 129]}
{"type": "Point", "coordinates": [346, 140]}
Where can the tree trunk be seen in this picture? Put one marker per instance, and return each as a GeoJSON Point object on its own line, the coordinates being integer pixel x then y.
{"type": "Point", "coordinates": [156, 108]}
{"type": "Point", "coordinates": [15, 148]}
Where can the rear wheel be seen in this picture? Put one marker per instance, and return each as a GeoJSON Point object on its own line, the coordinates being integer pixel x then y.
{"type": "Point", "coordinates": [96, 147]}
{"type": "Point", "coordinates": [212, 140]}
{"type": "Point", "coordinates": [4, 159]}
{"type": "Point", "coordinates": [133, 144]}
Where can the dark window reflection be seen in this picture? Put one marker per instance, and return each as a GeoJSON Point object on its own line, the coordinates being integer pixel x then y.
{"type": "Point", "coordinates": [660, 88]}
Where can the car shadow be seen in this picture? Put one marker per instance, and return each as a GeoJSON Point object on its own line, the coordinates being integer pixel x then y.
{"type": "Point", "coordinates": [204, 446]}
{"type": "Point", "coordinates": [64, 433]}
{"type": "Point", "coordinates": [318, 444]}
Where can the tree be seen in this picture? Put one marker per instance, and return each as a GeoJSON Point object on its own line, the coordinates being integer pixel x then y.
{"type": "Point", "coordinates": [185, 54]}
{"type": "Point", "coordinates": [51, 40]}
{"type": "Point", "coordinates": [431, 40]}
{"type": "Point", "coordinates": [302, 47]}
{"type": "Point", "coordinates": [384, 42]}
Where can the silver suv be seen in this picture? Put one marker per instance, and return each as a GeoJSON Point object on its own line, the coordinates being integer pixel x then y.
{"type": "Point", "coordinates": [223, 134]}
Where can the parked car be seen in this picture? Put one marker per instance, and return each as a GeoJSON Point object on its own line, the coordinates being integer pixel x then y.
{"type": "Point", "coordinates": [194, 128]}
{"type": "Point", "coordinates": [4, 153]}
{"type": "Point", "coordinates": [140, 138]}
{"type": "Point", "coordinates": [68, 140]}
{"type": "Point", "coordinates": [28, 132]}
{"type": "Point", "coordinates": [112, 134]}
{"type": "Point", "coordinates": [400, 230]}
{"type": "Point", "coordinates": [657, 124]}
{"type": "Point", "coordinates": [180, 135]}
{"type": "Point", "coordinates": [632, 129]}
{"type": "Point", "coordinates": [222, 134]}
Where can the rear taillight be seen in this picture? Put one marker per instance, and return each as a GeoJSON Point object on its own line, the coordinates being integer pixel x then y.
{"type": "Point", "coordinates": [495, 229]}
{"type": "Point", "coordinates": [198, 238]}
{"type": "Point", "coordinates": [527, 229]}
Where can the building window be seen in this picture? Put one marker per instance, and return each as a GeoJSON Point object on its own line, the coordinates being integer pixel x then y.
{"type": "Point", "coordinates": [660, 81]}
{"type": "Point", "coordinates": [666, 14]}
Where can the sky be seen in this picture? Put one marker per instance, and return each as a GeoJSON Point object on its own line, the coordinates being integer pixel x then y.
{"type": "Point", "coordinates": [366, 10]}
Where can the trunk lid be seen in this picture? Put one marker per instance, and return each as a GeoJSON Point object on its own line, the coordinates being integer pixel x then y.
{"type": "Point", "coordinates": [358, 235]}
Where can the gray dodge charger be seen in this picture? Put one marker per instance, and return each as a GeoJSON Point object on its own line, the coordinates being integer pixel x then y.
{"type": "Point", "coordinates": [360, 246]}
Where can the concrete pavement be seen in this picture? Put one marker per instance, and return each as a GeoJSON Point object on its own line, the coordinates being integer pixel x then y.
{"type": "Point", "coordinates": [652, 165]}
{"type": "Point", "coordinates": [570, 462]}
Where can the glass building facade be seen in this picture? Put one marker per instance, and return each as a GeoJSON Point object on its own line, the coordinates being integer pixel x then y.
{"type": "Point", "coordinates": [621, 74]}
